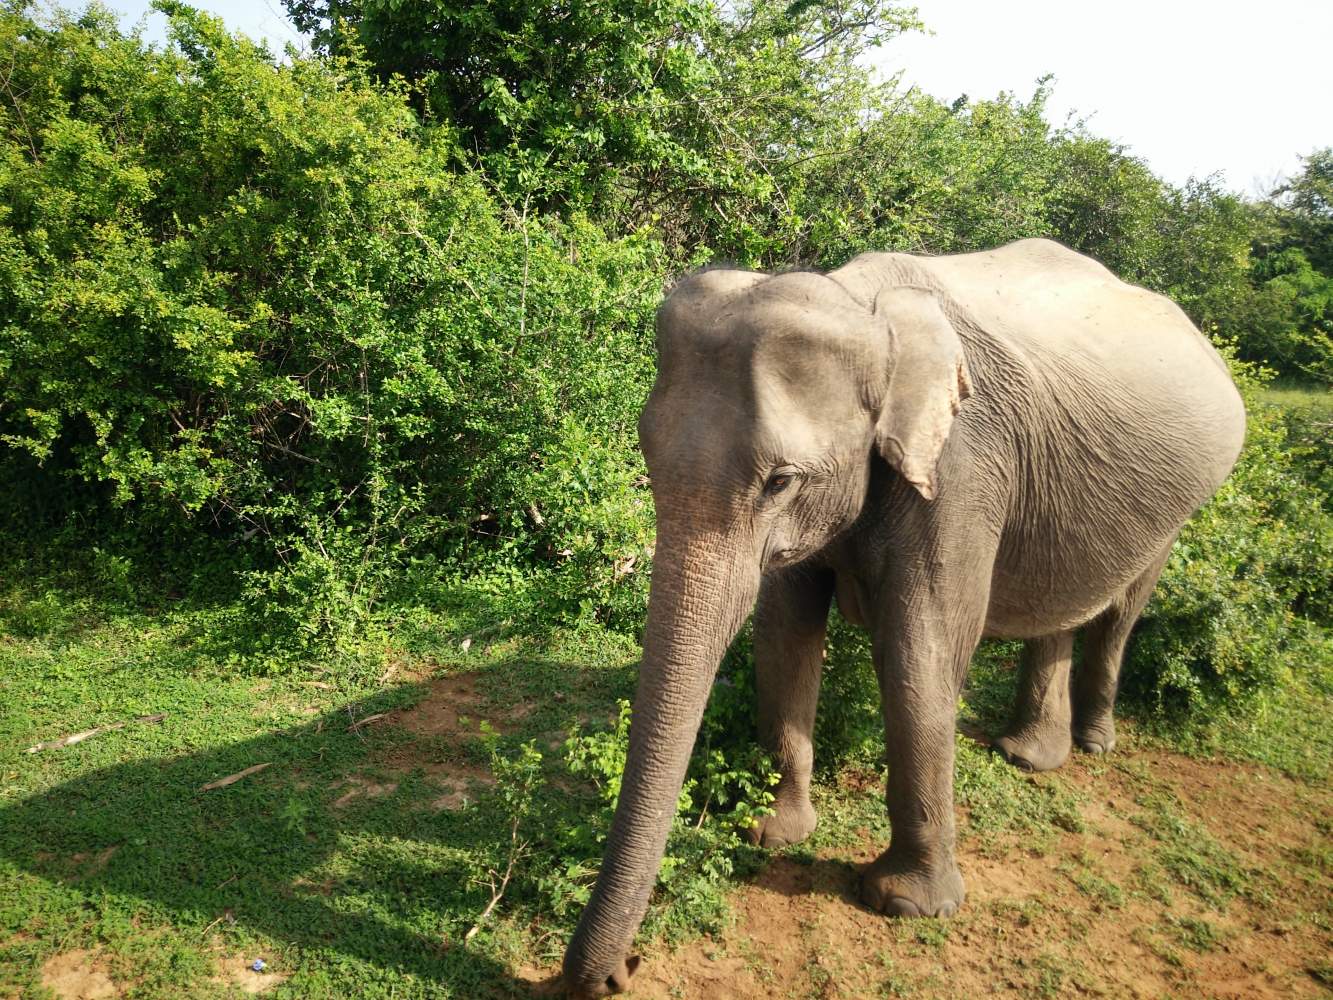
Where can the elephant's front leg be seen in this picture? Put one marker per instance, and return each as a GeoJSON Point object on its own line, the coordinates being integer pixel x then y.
{"type": "Point", "coordinates": [790, 621]}
{"type": "Point", "coordinates": [921, 656]}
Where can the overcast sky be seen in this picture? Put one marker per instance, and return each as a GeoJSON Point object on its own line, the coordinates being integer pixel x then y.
{"type": "Point", "coordinates": [1191, 86]}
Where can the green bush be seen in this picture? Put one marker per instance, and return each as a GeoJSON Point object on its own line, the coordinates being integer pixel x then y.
{"type": "Point", "coordinates": [1308, 416]}
{"type": "Point", "coordinates": [1289, 319]}
{"type": "Point", "coordinates": [560, 813]}
{"type": "Point", "coordinates": [260, 301]}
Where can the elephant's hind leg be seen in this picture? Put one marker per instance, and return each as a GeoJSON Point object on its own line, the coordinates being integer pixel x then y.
{"type": "Point", "coordinates": [790, 622]}
{"type": "Point", "coordinates": [1038, 734]}
{"type": "Point", "coordinates": [1098, 675]}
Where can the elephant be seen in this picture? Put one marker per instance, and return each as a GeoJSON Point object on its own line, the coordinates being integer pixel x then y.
{"type": "Point", "coordinates": [993, 444]}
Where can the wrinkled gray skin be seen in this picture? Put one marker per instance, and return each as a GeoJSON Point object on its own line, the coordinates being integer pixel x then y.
{"type": "Point", "coordinates": [990, 444]}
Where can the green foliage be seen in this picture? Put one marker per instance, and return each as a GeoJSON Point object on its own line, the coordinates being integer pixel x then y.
{"type": "Point", "coordinates": [645, 109]}
{"type": "Point", "coordinates": [600, 757]}
{"type": "Point", "coordinates": [260, 301]}
{"type": "Point", "coordinates": [1289, 317]}
{"type": "Point", "coordinates": [850, 725]}
{"type": "Point", "coordinates": [917, 175]}
{"type": "Point", "coordinates": [556, 844]}
{"type": "Point", "coordinates": [1308, 416]}
{"type": "Point", "coordinates": [278, 331]}
{"type": "Point", "coordinates": [1307, 198]}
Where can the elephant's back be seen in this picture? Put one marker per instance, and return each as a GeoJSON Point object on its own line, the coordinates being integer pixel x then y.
{"type": "Point", "coordinates": [1115, 361]}
{"type": "Point", "coordinates": [1044, 298]}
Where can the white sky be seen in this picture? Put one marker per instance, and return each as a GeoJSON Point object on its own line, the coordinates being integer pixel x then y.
{"type": "Point", "coordinates": [260, 19]}
{"type": "Point", "coordinates": [1191, 86]}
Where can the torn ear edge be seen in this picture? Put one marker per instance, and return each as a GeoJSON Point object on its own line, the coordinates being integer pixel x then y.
{"type": "Point", "coordinates": [927, 382]}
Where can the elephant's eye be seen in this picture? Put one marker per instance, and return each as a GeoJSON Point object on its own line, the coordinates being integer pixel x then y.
{"type": "Point", "coordinates": [778, 482]}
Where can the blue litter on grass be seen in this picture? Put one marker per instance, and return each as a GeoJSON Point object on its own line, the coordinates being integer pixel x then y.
{"type": "Point", "coordinates": [259, 965]}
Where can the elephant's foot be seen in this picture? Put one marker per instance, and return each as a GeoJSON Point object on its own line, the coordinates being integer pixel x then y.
{"type": "Point", "coordinates": [1036, 747]}
{"type": "Point", "coordinates": [791, 822]}
{"type": "Point", "coordinates": [900, 890]}
{"type": "Point", "coordinates": [1096, 736]}
{"type": "Point", "coordinates": [616, 982]}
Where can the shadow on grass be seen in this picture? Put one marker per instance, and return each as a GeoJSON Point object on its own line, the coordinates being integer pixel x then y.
{"type": "Point", "coordinates": [383, 884]}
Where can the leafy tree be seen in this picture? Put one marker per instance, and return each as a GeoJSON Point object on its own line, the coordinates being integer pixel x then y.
{"type": "Point", "coordinates": [548, 92]}
{"type": "Point", "coordinates": [683, 113]}
{"type": "Point", "coordinates": [1307, 221]}
{"type": "Point", "coordinates": [1287, 320]}
{"type": "Point", "coordinates": [918, 175]}
{"type": "Point", "coordinates": [1107, 203]}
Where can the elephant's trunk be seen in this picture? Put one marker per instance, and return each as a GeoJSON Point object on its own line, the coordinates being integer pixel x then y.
{"type": "Point", "coordinates": [702, 589]}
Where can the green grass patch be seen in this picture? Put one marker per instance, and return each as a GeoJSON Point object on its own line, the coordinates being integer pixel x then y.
{"type": "Point", "coordinates": [1001, 800]}
{"type": "Point", "coordinates": [1189, 854]}
{"type": "Point", "coordinates": [1196, 934]}
{"type": "Point", "coordinates": [1091, 884]}
{"type": "Point", "coordinates": [1299, 395]}
{"type": "Point", "coordinates": [335, 863]}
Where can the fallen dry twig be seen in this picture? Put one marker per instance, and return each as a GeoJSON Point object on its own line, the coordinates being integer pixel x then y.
{"type": "Point", "coordinates": [516, 850]}
{"type": "Point", "coordinates": [226, 915]}
{"type": "Point", "coordinates": [72, 738]}
{"type": "Point", "coordinates": [366, 721]}
{"type": "Point", "coordinates": [231, 779]}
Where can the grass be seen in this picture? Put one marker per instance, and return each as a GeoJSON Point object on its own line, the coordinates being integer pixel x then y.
{"type": "Point", "coordinates": [1189, 854]}
{"type": "Point", "coordinates": [111, 844]}
{"type": "Point", "coordinates": [1091, 884]}
{"type": "Point", "coordinates": [1196, 934]}
{"type": "Point", "coordinates": [1289, 394]}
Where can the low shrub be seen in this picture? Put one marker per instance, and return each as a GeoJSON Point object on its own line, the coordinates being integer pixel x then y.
{"type": "Point", "coordinates": [560, 812]}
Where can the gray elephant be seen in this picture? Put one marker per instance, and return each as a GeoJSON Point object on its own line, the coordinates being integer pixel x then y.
{"type": "Point", "coordinates": [989, 444]}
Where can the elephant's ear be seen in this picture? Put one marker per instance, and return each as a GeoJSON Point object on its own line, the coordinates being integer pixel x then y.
{"type": "Point", "coordinates": [927, 382]}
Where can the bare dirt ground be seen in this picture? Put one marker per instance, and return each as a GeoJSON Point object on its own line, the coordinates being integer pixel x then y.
{"type": "Point", "coordinates": [1106, 911]}
{"type": "Point", "coordinates": [76, 975]}
{"type": "Point", "coordinates": [1189, 878]}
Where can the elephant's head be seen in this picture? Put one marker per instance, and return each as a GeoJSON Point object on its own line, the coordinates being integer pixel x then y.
{"type": "Point", "coordinates": [772, 394]}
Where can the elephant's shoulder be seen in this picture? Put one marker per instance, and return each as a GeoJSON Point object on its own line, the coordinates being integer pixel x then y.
{"type": "Point", "coordinates": [1023, 262]}
{"type": "Point", "coordinates": [1044, 254]}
